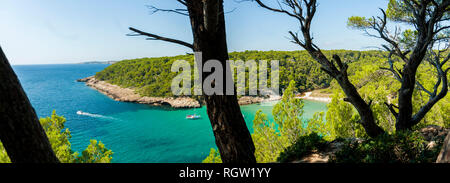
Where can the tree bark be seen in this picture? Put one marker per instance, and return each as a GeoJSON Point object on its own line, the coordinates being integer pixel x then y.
{"type": "Point", "coordinates": [444, 154]}
{"type": "Point", "coordinates": [364, 111]}
{"type": "Point", "coordinates": [21, 133]}
{"type": "Point", "coordinates": [304, 13]}
{"type": "Point", "coordinates": [331, 68]}
{"type": "Point", "coordinates": [405, 93]}
{"type": "Point", "coordinates": [231, 133]}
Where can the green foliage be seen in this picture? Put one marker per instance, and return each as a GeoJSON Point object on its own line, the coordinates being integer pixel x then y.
{"type": "Point", "coordinates": [59, 137]}
{"type": "Point", "coordinates": [342, 119]}
{"type": "Point", "coordinates": [303, 146]}
{"type": "Point", "coordinates": [214, 157]}
{"type": "Point", "coordinates": [376, 86]}
{"type": "Point", "coordinates": [268, 141]}
{"type": "Point", "coordinates": [380, 87]}
{"type": "Point", "coordinates": [3, 155]}
{"type": "Point", "coordinates": [397, 11]}
{"type": "Point", "coordinates": [152, 76]}
{"type": "Point", "coordinates": [317, 125]}
{"type": "Point", "coordinates": [408, 39]}
{"type": "Point", "coordinates": [96, 152]}
{"type": "Point", "coordinates": [400, 147]}
{"type": "Point", "coordinates": [384, 89]}
{"type": "Point", "coordinates": [357, 22]}
{"type": "Point", "coordinates": [273, 137]}
{"type": "Point", "coordinates": [444, 112]}
{"type": "Point", "coordinates": [288, 113]}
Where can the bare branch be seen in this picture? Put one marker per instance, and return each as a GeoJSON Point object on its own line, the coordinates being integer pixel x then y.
{"type": "Point", "coordinates": [397, 73]}
{"type": "Point", "coordinates": [295, 39]}
{"type": "Point", "coordinates": [156, 37]}
{"type": "Point", "coordinates": [182, 2]}
{"type": "Point", "coordinates": [304, 12]}
{"type": "Point", "coordinates": [380, 27]}
{"type": "Point", "coordinates": [154, 9]}
{"type": "Point", "coordinates": [392, 110]}
{"type": "Point", "coordinates": [438, 61]}
{"type": "Point", "coordinates": [421, 87]}
{"type": "Point", "coordinates": [276, 10]}
{"type": "Point", "coordinates": [441, 28]}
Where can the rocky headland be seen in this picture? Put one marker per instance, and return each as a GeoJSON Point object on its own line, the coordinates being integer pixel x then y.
{"type": "Point", "coordinates": [130, 95]}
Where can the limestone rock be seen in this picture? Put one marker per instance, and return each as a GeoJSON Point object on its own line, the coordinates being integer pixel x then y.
{"type": "Point", "coordinates": [444, 155]}
{"type": "Point", "coordinates": [249, 100]}
{"type": "Point", "coordinates": [433, 132]}
{"type": "Point", "coordinates": [129, 95]}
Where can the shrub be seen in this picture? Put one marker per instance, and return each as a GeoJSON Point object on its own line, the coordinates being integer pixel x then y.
{"type": "Point", "coordinates": [304, 145]}
{"type": "Point", "coordinates": [214, 157]}
{"type": "Point", "coordinates": [401, 147]}
{"type": "Point", "coordinates": [59, 137]}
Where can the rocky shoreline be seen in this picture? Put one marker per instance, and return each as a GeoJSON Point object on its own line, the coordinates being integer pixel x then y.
{"type": "Point", "coordinates": [246, 100]}
{"type": "Point", "coordinates": [129, 95]}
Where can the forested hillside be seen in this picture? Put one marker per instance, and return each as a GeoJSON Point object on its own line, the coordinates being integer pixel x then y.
{"type": "Point", "coordinates": [289, 137]}
{"type": "Point", "coordinates": [152, 76]}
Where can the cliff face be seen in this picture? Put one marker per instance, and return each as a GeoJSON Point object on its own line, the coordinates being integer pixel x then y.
{"type": "Point", "coordinates": [129, 95]}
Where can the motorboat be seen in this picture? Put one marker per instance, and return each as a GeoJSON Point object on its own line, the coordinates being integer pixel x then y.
{"type": "Point", "coordinates": [192, 117]}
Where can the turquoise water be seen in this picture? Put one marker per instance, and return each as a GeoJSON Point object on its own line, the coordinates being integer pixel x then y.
{"type": "Point", "coordinates": [134, 132]}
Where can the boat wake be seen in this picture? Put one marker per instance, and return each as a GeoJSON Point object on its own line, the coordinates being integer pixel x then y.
{"type": "Point", "coordinates": [94, 115]}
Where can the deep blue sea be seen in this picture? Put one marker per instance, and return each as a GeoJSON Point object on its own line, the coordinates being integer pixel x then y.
{"type": "Point", "coordinates": [134, 132]}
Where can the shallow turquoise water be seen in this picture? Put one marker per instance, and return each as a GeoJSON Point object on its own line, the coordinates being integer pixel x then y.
{"type": "Point", "coordinates": [135, 132]}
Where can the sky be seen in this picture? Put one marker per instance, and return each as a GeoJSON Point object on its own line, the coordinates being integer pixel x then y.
{"type": "Point", "coordinates": [72, 31]}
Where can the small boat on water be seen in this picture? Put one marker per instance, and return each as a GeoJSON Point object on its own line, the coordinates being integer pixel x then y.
{"type": "Point", "coordinates": [79, 112]}
{"type": "Point", "coordinates": [192, 117]}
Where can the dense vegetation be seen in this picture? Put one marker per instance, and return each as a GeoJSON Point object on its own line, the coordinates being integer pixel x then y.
{"type": "Point", "coordinates": [289, 137]}
{"type": "Point", "coordinates": [152, 76]}
{"type": "Point", "coordinates": [59, 137]}
{"type": "Point", "coordinates": [401, 147]}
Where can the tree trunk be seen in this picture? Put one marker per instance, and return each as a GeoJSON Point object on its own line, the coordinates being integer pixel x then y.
{"type": "Point", "coordinates": [231, 133]}
{"type": "Point", "coordinates": [364, 111]}
{"type": "Point", "coordinates": [21, 133]}
{"type": "Point", "coordinates": [405, 94]}
{"type": "Point", "coordinates": [444, 155]}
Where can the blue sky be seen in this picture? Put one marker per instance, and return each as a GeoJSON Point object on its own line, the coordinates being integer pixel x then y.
{"type": "Point", "coordinates": [70, 31]}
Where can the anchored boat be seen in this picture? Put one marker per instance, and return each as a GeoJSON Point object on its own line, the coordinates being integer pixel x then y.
{"type": "Point", "coordinates": [192, 117]}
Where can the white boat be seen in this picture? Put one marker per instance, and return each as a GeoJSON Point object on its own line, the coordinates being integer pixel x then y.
{"type": "Point", "coordinates": [192, 117]}
{"type": "Point", "coordinates": [79, 112]}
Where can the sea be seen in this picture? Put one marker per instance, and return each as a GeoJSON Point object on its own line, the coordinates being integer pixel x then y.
{"type": "Point", "coordinates": [136, 133]}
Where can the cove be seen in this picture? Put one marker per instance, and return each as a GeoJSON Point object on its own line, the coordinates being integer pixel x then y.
{"type": "Point", "coordinates": [136, 133]}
